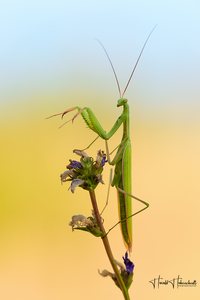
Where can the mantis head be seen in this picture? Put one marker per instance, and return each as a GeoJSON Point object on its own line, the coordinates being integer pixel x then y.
{"type": "Point", "coordinates": [121, 102]}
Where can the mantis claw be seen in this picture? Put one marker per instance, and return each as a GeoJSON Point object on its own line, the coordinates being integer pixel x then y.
{"type": "Point", "coordinates": [62, 114]}
{"type": "Point", "coordinates": [53, 116]}
{"type": "Point", "coordinates": [64, 124]}
{"type": "Point", "coordinates": [80, 110]}
{"type": "Point", "coordinates": [68, 110]}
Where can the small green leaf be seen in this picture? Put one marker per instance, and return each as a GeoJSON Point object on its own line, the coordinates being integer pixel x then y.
{"type": "Point", "coordinates": [93, 230]}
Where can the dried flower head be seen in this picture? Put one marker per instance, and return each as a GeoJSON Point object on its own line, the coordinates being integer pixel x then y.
{"type": "Point", "coordinates": [89, 224]}
{"type": "Point", "coordinates": [80, 221]}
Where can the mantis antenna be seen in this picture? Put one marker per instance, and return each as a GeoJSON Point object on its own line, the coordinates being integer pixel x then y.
{"type": "Point", "coordinates": [111, 64]}
{"type": "Point", "coordinates": [134, 68]}
{"type": "Point", "coordinates": [137, 61]}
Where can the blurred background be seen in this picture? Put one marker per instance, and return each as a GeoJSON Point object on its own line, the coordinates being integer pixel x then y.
{"type": "Point", "coordinates": [50, 61]}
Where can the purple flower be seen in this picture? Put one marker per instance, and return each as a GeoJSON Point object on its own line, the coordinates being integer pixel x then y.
{"type": "Point", "coordinates": [104, 160]}
{"type": "Point", "coordinates": [129, 264]}
{"type": "Point", "coordinates": [74, 164]}
{"type": "Point", "coordinates": [126, 272]}
{"type": "Point", "coordinates": [101, 159]}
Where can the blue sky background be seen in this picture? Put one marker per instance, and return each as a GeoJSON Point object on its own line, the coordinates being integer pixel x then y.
{"type": "Point", "coordinates": [50, 46]}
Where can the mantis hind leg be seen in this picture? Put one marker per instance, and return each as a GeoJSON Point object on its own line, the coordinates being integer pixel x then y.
{"type": "Point", "coordinates": [108, 192]}
{"type": "Point", "coordinates": [132, 215]}
{"type": "Point", "coordinates": [118, 155]}
{"type": "Point", "coordinates": [91, 143]}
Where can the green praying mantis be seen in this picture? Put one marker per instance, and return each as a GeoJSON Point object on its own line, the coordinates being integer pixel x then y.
{"type": "Point", "coordinates": [122, 159]}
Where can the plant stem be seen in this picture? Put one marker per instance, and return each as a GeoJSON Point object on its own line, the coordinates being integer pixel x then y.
{"type": "Point", "coordinates": [107, 246]}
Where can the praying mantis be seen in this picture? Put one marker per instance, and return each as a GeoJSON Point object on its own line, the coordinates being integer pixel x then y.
{"type": "Point", "coordinates": [122, 159]}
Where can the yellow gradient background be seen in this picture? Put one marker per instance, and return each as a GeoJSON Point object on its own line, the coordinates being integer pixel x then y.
{"type": "Point", "coordinates": [50, 62]}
